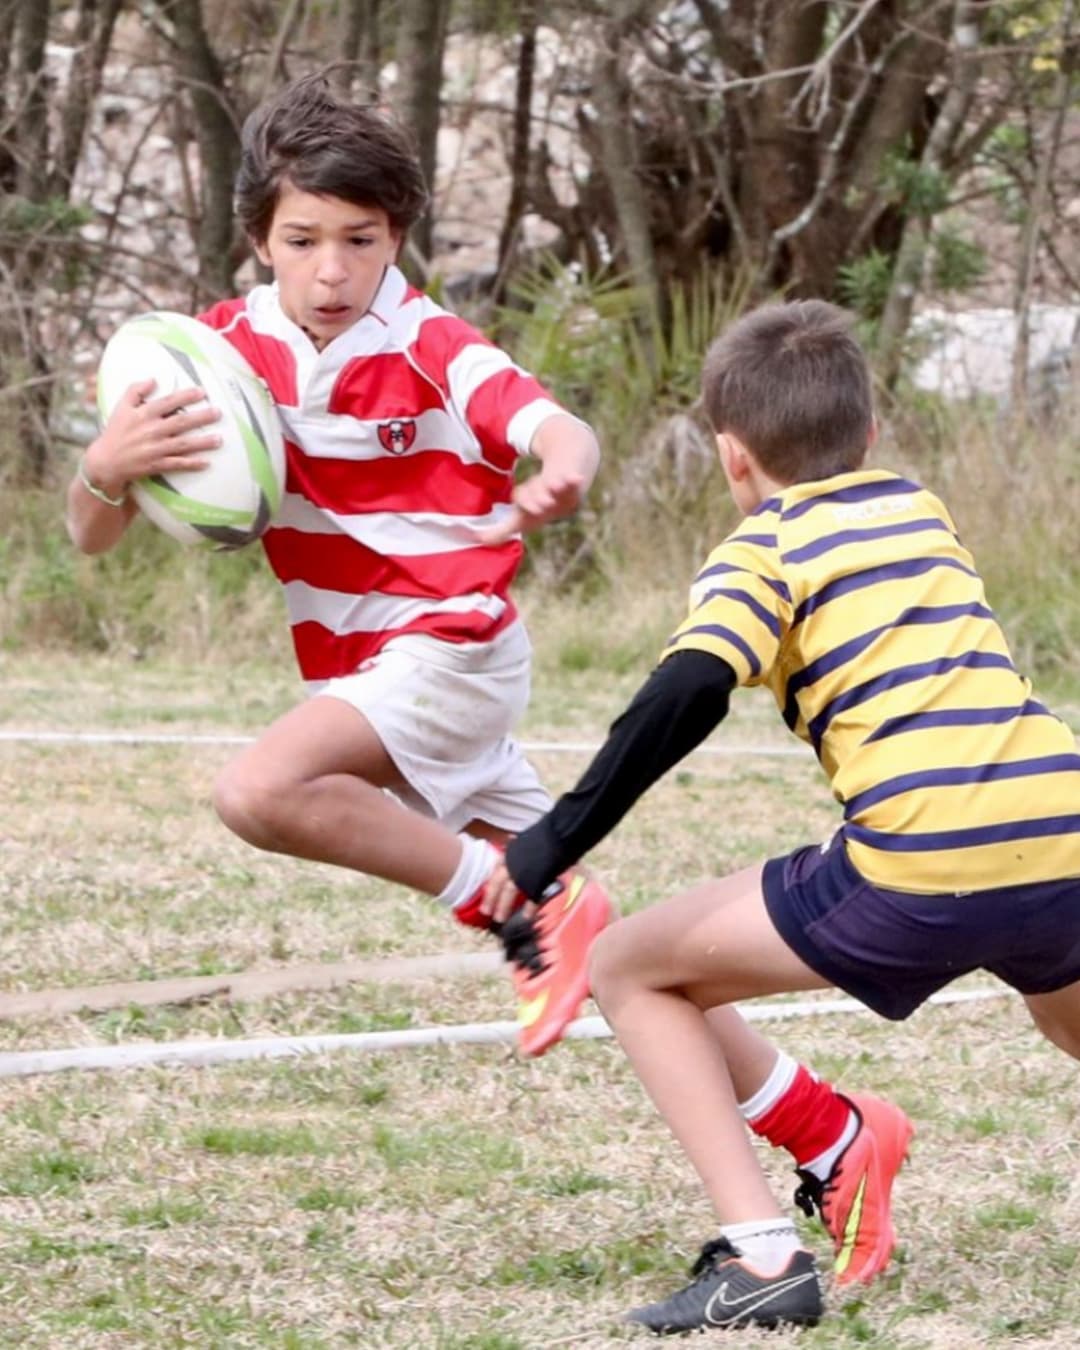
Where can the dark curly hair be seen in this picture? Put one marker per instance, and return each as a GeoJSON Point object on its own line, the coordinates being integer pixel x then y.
{"type": "Point", "coordinates": [311, 137]}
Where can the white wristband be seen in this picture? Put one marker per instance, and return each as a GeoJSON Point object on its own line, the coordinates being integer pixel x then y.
{"type": "Point", "coordinates": [95, 491]}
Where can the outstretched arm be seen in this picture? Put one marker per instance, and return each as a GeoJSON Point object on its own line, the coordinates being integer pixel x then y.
{"type": "Point", "coordinates": [682, 701]}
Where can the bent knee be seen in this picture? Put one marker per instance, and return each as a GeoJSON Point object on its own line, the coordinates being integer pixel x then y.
{"type": "Point", "coordinates": [249, 803]}
{"type": "Point", "coordinates": [603, 964]}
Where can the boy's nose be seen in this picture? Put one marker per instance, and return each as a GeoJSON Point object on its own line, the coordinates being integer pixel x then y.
{"type": "Point", "coordinates": [331, 268]}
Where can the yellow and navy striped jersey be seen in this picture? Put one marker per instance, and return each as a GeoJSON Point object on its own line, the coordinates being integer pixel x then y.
{"type": "Point", "coordinates": [854, 601]}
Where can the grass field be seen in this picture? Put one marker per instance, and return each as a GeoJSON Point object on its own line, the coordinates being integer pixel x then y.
{"type": "Point", "coordinates": [456, 1198]}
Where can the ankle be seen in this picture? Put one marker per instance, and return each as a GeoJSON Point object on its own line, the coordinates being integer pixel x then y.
{"type": "Point", "coordinates": [767, 1245]}
{"type": "Point", "coordinates": [805, 1116]}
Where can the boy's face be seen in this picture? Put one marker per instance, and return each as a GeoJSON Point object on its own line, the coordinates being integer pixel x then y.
{"type": "Point", "coordinates": [328, 257]}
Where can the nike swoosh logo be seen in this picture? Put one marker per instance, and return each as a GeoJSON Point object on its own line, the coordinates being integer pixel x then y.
{"type": "Point", "coordinates": [851, 1229]}
{"type": "Point", "coordinates": [530, 1013]}
{"type": "Point", "coordinates": [749, 1303]}
{"type": "Point", "coordinates": [573, 895]}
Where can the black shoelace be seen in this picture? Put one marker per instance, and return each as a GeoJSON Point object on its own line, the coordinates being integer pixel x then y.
{"type": "Point", "coordinates": [706, 1262]}
{"type": "Point", "coordinates": [810, 1194]}
{"type": "Point", "coordinates": [521, 942]}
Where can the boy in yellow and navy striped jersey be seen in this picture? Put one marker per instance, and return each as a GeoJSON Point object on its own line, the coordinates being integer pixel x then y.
{"type": "Point", "coordinates": [846, 591]}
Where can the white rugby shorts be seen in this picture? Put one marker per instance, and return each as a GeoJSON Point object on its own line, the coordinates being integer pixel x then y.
{"type": "Point", "coordinates": [444, 712]}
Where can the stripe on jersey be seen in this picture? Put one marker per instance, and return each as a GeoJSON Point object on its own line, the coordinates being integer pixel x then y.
{"type": "Point", "coordinates": [871, 576]}
{"type": "Point", "coordinates": [841, 538]}
{"type": "Point", "coordinates": [322, 654]}
{"type": "Point", "coordinates": [1036, 827]}
{"type": "Point", "coordinates": [382, 386]}
{"type": "Point", "coordinates": [270, 357]}
{"type": "Point", "coordinates": [343, 612]}
{"type": "Point", "coordinates": [850, 496]}
{"type": "Point", "coordinates": [896, 679]}
{"type": "Point", "coordinates": [340, 563]}
{"type": "Point", "coordinates": [955, 717]}
{"type": "Point", "coordinates": [410, 483]}
{"type": "Point", "coordinates": [854, 647]}
{"type": "Point", "coordinates": [957, 777]}
{"type": "Point", "coordinates": [494, 406]}
{"type": "Point", "coordinates": [778, 587]}
{"type": "Point", "coordinates": [389, 532]}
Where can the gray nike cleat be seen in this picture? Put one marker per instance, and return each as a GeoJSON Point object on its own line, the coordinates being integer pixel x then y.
{"type": "Point", "coordinates": [727, 1292]}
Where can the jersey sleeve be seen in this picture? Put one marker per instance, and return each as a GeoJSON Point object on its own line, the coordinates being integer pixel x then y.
{"type": "Point", "coordinates": [501, 403]}
{"type": "Point", "coordinates": [740, 605]}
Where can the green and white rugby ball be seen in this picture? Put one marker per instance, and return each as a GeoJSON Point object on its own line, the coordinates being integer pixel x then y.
{"type": "Point", "coordinates": [234, 498]}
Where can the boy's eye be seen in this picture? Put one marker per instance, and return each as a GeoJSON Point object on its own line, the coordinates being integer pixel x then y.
{"type": "Point", "coordinates": [362, 240]}
{"type": "Point", "coordinates": [301, 241]}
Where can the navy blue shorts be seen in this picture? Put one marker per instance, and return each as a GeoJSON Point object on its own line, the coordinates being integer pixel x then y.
{"type": "Point", "coordinates": [891, 950]}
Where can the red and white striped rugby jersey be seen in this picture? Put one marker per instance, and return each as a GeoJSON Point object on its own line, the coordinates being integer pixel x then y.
{"type": "Point", "coordinates": [401, 437]}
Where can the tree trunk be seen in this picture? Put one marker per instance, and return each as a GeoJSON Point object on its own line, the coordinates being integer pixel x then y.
{"type": "Point", "coordinates": [219, 144]}
{"type": "Point", "coordinates": [24, 369]}
{"type": "Point", "coordinates": [1033, 223]}
{"type": "Point", "coordinates": [615, 131]}
{"type": "Point", "coordinates": [911, 255]}
{"type": "Point", "coordinates": [360, 48]}
{"type": "Point", "coordinates": [31, 112]}
{"type": "Point", "coordinates": [421, 43]}
{"type": "Point", "coordinates": [519, 150]}
{"type": "Point", "coordinates": [93, 37]}
{"type": "Point", "coordinates": [8, 9]}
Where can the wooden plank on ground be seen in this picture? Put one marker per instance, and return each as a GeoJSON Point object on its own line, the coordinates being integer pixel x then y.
{"type": "Point", "coordinates": [243, 985]}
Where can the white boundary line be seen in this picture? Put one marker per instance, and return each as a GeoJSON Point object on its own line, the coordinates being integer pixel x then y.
{"type": "Point", "coordinates": [26, 1063]}
{"type": "Point", "coordinates": [195, 738]}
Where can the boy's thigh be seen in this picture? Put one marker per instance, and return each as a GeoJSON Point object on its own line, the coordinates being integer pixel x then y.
{"type": "Point", "coordinates": [442, 718]}
{"type": "Point", "coordinates": [321, 737]}
{"type": "Point", "coordinates": [716, 943]}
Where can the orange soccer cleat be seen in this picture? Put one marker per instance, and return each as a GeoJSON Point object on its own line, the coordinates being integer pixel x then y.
{"type": "Point", "coordinates": [854, 1200]}
{"type": "Point", "coordinates": [549, 952]}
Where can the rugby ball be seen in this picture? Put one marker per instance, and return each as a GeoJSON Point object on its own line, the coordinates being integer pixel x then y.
{"type": "Point", "coordinates": [234, 498]}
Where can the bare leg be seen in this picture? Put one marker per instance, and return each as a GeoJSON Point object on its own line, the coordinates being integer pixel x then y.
{"type": "Point", "coordinates": [654, 975]}
{"type": "Point", "coordinates": [1057, 1016]}
{"type": "Point", "coordinates": [749, 1055]}
{"type": "Point", "coordinates": [311, 786]}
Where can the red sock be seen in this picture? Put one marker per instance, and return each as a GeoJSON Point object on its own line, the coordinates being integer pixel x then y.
{"type": "Point", "coordinates": [809, 1118]}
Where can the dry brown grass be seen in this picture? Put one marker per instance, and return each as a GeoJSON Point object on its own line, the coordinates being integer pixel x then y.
{"type": "Point", "coordinates": [450, 1198]}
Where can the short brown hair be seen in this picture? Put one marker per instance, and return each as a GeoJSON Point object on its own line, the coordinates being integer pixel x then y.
{"type": "Point", "coordinates": [311, 137]}
{"type": "Point", "coordinates": [793, 384]}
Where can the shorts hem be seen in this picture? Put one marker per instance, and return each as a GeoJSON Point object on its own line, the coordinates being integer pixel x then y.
{"type": "Point", "coordinates": [787, 924]}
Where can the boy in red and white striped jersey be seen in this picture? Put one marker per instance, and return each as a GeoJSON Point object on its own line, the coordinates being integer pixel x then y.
{"type": "Point", "coordinates": [397, 540]}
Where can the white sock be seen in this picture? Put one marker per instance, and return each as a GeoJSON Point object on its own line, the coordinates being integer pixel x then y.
{"type": "Point", "coordinates": [824, 1163]}
{"type": "Point", "coordinates": [769, 1093]}
{"type": "Point", "coordinates": [477, 862]}
{"type": "Point", "coordinates": [767, 1244]}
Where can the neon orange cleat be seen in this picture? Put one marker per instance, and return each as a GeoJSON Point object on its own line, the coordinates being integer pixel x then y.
{"type": "Point", "coordinates": [854, 1200]}
{"type": "Point", "coordinates": [549, 951]}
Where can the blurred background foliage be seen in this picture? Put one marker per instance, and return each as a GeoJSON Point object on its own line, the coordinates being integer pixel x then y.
{"type": "Point", "coordinates": [612, 183]}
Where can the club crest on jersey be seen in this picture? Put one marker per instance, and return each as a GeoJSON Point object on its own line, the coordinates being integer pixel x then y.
{"type": "Point", "coordinates": [397, 435]}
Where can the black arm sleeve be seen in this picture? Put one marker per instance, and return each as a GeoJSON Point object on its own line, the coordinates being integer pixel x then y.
{"type": "Point", "coordinates": [684, 699]}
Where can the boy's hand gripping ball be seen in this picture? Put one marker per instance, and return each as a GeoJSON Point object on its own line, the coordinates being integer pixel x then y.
{"type": "Point", "coordinates": [234, 498]}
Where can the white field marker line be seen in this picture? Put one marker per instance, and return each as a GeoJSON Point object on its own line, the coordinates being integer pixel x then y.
{"type": "Point", "coordinates": [25, 1063]}
{"type": "Point", "coordinates": [182, 738]}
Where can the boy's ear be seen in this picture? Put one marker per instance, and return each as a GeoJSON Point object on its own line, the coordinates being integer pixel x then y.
{"type": "Point", "coordinates": [261, 252]}
{"type": "Point", "coordinates": [733, 456]}
{"type": "Point", "coordinates": [871, 440]}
